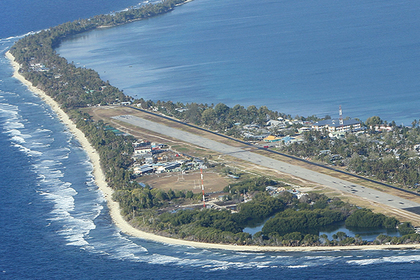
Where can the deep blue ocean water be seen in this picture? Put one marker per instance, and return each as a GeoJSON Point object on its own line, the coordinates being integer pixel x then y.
{"type": "Point", "coordinates": [54, 223]}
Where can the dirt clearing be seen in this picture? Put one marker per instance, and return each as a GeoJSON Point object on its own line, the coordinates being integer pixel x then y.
{"type": "Point", "coordinates": [190, 181]}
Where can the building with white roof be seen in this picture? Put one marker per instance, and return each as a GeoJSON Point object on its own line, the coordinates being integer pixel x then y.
{"type": "Point", "coordinates": [335, 125]}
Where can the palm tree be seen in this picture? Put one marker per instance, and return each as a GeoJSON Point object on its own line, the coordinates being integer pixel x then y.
{"type": "Point", "coordinates": [324, 238]}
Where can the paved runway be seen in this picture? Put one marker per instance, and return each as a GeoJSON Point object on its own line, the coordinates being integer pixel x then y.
{"type": "Point", "coordinates": [297, 171]}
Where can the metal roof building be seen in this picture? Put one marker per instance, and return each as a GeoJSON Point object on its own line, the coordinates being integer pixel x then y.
{"type": "Point", "coordinates": [334, 125]}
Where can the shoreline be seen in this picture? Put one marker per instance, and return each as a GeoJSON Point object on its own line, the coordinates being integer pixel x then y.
{"type": "Point", "coordinates": [125, 227]}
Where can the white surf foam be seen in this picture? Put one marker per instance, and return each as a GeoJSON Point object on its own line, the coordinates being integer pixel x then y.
{"type": "Point", "coordinates": [13, 38]}
{"type": "Point", "coordinates": [390, 259]}
{"type": "Point", "coordinates": [27, 151]}
{"type": "Point", "coordinates": [297, 266]}
{"type": "Point", "coordinates": [18, 139]}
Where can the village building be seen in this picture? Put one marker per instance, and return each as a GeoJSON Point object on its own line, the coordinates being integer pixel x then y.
{"type": "Point", "coordinates": [274, 191]}
{"type": "Point", "coordinates": [335, 125]}
{"type": "Point", "coordinates": [275, 123]}
{"type": "Point", "coordinates": [251, 126]}
{"type": "Point", "coordinates": [140, 170]}
{"type": "Point", "coordinates": [304, 129]}
{"type": "Point", "coordinates": [288, 139]}
{"type": "Point", "coordinates": [141, 143]}
{"type": "Point", "coordinates": [167, 166]}
{"type": "Point", "coordinates": [337, 134]}
{"type": "Point", "coordinates": [181, 110]}
{"type": "Point", "coordinates": [382, 127]}
{"type": "Point", "coordinates": [271, 139]}
{"type": "Point", "coordinates": [142, 151]}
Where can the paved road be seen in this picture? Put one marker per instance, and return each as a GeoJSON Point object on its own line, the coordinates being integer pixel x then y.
{"type": "Point", "coordinates": [297, 171]}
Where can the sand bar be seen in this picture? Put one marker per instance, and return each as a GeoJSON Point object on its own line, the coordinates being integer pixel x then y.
{"type": "Point", "coordinates": [125, 227]}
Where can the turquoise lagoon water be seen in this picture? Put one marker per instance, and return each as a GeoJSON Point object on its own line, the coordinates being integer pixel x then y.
{"type": "Point", "coordinates": [296, 57]}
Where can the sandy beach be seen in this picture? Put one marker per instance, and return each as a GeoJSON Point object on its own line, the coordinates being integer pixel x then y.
{"type": "Point", "coordinates": [125, 227]}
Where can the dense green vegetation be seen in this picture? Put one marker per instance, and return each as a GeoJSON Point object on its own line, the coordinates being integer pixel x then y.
{"type": "Point", "coordinates": [293, 222]}
{"type": "Point", "coordinates": [135, 199]}
{"type": "Point", "coordinates": [297, 221]}
{"type": "Point", "coordinates": [366, 218]}
{"type": "Point", "coordinates": [250, 185]}
{"type": "Point", "coordinates": [216, 225]}
{"type": "Point", "coordinates": [261, 208]}
{"type": "Point", "coordinates": [219, 117]}
{"type": "Point", "coordinates": [114, 150]}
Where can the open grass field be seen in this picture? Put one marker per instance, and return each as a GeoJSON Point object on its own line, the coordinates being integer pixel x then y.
{"type": "Point", "coordinates": [190, 181]}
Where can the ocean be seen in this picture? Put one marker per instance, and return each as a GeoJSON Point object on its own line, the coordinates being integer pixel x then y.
{"type": "Point", "coordinates": [55, 223]}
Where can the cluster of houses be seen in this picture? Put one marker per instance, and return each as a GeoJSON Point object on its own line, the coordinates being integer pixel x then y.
{"type": "Point", "coordinates": [152, 157]}
{"type": "Point", "coordinates": [255, 132]}
{"type": "Point", "coordinates": [337, 128]}
{"type": "Point", "coordinates": [382, 127]}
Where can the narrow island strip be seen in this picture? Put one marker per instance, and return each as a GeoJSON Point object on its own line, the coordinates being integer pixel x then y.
{"type": "Point", "coordinates": [125, 227]}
